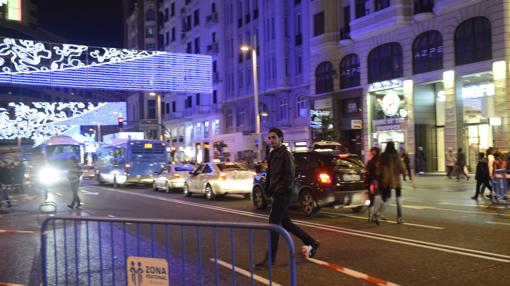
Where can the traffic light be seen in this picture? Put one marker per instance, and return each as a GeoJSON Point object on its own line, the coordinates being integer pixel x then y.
{"type": "Point", "coordinates": [120, 122]}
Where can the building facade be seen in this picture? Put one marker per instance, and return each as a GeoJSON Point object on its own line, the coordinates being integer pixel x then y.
{"type": "Point", "coordinates": [222, 125]}
{"type": "Point", "coordinates": [142, 22]}
{"type": "Point", "coordinates": [422, 73]}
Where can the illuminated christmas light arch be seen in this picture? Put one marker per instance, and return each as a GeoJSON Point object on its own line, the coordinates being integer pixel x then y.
{"type": "Point", "coordinates": [39, 120]}
{"type": "Point", "coordinates": [28, 62]}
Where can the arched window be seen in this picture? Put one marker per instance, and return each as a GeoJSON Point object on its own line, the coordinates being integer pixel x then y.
{"type": "Point", "coordinates": [150, 15]}
{"type": "Point", "coordinates": [324, 77]}
{"type": "Point", "coordinates": [301, 110]}
{"type": "Point", "coordinates": [473, 41]}
{"type": "Point", "coordinates": [428, 52]}
{"type": "Point", "coordinates": [385, 62]}
{"type": "Point", "coordinates": [349, 71]}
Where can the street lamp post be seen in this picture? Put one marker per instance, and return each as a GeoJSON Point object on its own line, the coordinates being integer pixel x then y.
{"type": "Point", "coordinates": [246, 48]}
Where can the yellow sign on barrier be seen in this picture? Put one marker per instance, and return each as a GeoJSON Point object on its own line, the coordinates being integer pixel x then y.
{"type": "Point", "coordinates": [146, 271]}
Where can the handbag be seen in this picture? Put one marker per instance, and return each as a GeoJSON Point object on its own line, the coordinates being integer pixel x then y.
{"type": "Point", "coordinates": [374, 187]}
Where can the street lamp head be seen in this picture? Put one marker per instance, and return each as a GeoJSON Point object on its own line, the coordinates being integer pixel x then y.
{"type": "Point", "coordinates": [264, 114]}
{"type": "Point", "coordinates": [245, 48]}
{"type": "Point", "coordinates": [152, 93]}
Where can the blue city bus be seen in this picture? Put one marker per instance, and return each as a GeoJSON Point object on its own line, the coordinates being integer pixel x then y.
{"type": "Point", "coordinates": [130, 161]}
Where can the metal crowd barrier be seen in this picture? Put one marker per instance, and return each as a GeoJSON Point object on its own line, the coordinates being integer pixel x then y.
{"type": "Point", "coordinates": [130, 251]}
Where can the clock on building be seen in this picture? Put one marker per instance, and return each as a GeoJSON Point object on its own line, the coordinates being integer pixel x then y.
{"type": "Point", "coordinates": [390, 103]}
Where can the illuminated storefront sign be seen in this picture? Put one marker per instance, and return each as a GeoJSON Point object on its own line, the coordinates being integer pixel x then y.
{"type": "Point", "coordinates": [478, 90]}
{"type": "Point", "coordinates": [389, 124]}
{"type": "Point", "coordinates": [387, 84]}
{"type": "Point", "coordinates": [28, 62]}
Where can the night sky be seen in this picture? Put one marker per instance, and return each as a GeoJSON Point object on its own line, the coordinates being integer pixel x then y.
{"type": "Point", "coordinates": [88, 22]}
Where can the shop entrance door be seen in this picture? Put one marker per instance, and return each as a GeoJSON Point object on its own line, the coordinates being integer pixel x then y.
{"type": "Point", "coordinates": [478, 139]}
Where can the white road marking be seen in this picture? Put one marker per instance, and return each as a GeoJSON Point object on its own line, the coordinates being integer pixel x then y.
{"type": "Point", "coordinates": [245, 273]}
{"type": "Point", "coordinates": [388, 221]}
{"type": "Point", "coordinates": [112, 216]}
{"type": "Point", "coordinates": [457, 211]}
{"type": "Point", "coordinates": [502, 223]}
{"type": "Point", "coordinates": [58, 194]}
{"type": "Point", "coordinates": [10, 284]}
{"type": "Point", "coordinates": [395, 239]}
{"type": "Point", "coordinates": [85, 192]}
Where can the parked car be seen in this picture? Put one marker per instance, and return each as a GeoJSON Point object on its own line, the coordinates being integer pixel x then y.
{"type": "Point", "coordinates": [171, 177]}
{"type": "Point", "coordinates": [323, 179]}
{"type": "Point", "coordinates": [219, 179]}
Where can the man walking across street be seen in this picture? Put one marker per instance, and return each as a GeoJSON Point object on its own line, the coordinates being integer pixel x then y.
{"type": "Point", "coordinates": [279, 183]}
{"type": "Point", "coordinates": [74, 176]}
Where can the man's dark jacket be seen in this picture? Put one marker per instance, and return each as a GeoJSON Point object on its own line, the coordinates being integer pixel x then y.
{"type": "Point", "coordinates": [280, 172]}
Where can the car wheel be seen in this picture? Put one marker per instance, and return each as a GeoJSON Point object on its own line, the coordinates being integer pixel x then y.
{"type": "Point", "coordinates": [307, 203]}
{"type": "Point", "coordinates": [258, 200]}
{"type": "Point", "coordinates": [209, 192]}
{"type": "Point", "coordinates": [154, 186]}
{"type": "Point", "coordinates": [187, 193]}
{"type": "Point", "coordinates": [167, 187]}
{"type": "Point", "coordinates": [358, 209]}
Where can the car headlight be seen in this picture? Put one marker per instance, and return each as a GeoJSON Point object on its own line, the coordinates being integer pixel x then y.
{"type": "Point", "coordinates": [49, 175]}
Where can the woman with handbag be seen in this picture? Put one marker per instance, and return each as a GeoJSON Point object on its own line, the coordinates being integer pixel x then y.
{"type": "Point", "coordinates": [372, 180]}
{"type": "Point", "coordinates": [390, 167]}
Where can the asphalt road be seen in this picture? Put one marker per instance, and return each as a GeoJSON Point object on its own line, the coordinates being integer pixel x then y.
{"type": "Point", "coordinates": [447, 238]}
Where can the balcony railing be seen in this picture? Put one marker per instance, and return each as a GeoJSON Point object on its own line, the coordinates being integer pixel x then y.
{"type": "Point", "coordinates": [213, 48]}
{"type": "Point", "coordinates": [212, 18]}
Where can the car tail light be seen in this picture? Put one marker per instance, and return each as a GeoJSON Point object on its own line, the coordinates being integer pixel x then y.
{"type": "Point", "coordinates": [324, 178]}
{"type": "Point", "coordinates": [343, 156]}
{"type": "Point", "coordinates": [176, 176]}
{"type": "Point", "coordinates": [223, 176]}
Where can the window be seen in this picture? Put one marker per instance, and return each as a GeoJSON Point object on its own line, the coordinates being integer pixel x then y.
{"type": "Point", "coordinates": [197, 45]}
{"type": "Point", "coordinates": [151, 109]}
{"type": "Point", "coordinates": [150, 47]}
{"type": "Point", "coordinates": [167, 38]}
{"type": "Point", "coordinates": [150, 31]}
{"type": "Point", "coordinates": [188, 48]}
{"type": "Point", "coordinates": [428, 52]}
{"type": "Point", "coordinates": [381, 4]}
{"type": "Point", "coordinates": [173, 34]}
{"type": "Point", "coordinates": [318, 24]}
{"type": "Point", "coordinates": [349, 71]}
{"type": "Point", "coordinates": [188, 102]}
{"type": "Point", "coordinates": [196, 18]}
{"type": "Point", "coordinates": [206, 129]}
{"type": "Point", "coordinates": [351, 106]}
{"type": "Point", "coordinates": [473, 41]}
{"type": "Point", "coordinates": [240, 117]}
{"type": "Point", "coordinates": [150, 15]}
{"type": "Point", "coordinates": [197, 99]}
{"type": "Point", "coordinates": [385, 62]}
{"type": "Point", "coordinates": [213, 7]}
{"type": "Point", "coordinates": [229, 119]}
{"type": "Point", "coordinates": [167, 14]}
{"type": "Point", "coordinates": [174, 106]}
{"type": "Point", "coordinates": [360, 9]}
{"type": "Point", "coordinates": [324, 78]}
{"type": "Point", "coordinates": [215, 97]}
{"type": "Point", "coordinates": [284, 109]}
{"type": "Point", "coordinates": [301, 110]}
{"type": "Point", "coordinates": [423, 6]}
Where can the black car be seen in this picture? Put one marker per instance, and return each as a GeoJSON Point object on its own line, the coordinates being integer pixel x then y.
{"type": "Point", "coordinates": [323, 179]}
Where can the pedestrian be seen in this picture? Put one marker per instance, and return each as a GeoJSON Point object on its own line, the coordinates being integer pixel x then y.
{"type": "Point", "coordinates": [482, 176]}
{"type": "Point", "coordinates": [490, 160]}
{"type": "Point", "coordinates": [450, 162]}
{"type": "Point", "coordinates": [390, 168]}
{"type": "Point", "coordinates": [373, 180]}
{"type": "Point", "coordinates": [74, 176]}
{"type": "Point", "coordinates": [405, 158]}
{"type": "Point", "coordinates": [280, 183]}
{"type": "Point", "coordinates": [420, 160]}
{"type": "Point", "coordinates": [460, 165]}
{"type": "Point", "coordinates": [4, 182]}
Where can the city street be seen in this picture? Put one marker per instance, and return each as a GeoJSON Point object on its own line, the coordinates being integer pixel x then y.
{"type": "Point", "coordinates": [447, 238]}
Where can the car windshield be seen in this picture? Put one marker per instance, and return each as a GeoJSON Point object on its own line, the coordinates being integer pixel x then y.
{"type": "Point", "coordinates": [183, 168]}
{"type": "Point", "coordinates": [231, 167]}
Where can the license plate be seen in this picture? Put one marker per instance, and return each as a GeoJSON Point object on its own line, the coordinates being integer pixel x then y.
{"type": "Point", "coordinates": [147, 146]}
{"type": "Point", "coordinates": [351, 177]}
